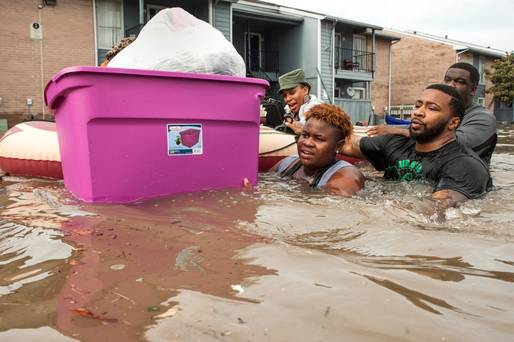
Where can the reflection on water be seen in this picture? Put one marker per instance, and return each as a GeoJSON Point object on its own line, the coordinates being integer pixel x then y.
{"type": "Point", "coordinates": [278, 263]}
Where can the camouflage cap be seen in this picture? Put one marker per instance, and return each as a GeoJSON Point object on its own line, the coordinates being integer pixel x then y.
{"type": "Point", "coordinates": [292, 79]}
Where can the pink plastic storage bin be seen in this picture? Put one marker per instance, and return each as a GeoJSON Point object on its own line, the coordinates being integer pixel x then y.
{"type": "Point", "coordinates": [190, 137]}
{"type": "Point", "coordinates": [118, 131]}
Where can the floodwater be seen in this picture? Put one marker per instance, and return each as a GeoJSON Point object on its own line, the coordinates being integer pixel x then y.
{"type": "Point", "coordinates": [280, 263]}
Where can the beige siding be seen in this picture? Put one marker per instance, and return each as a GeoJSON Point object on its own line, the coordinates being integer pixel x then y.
{"type": "Point", "coordinates": [417, 63]}
{"type": "Point", "coordinates": [379, 86]}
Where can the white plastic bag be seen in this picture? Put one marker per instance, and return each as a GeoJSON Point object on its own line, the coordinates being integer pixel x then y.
{"type": "Point", "coordinates": [174, 40]}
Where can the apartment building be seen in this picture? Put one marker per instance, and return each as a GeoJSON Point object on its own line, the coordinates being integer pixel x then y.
{"type": "Point", "coordinates": [40, 37]}
{"type": "Point", "coordinates": [419, 59]}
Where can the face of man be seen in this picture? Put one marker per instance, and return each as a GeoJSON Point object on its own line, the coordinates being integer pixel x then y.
{"type": "Point", "coordinates": [317, 145]}
{"type": "Point", "coordinates": [432, 116]}
{"type": "Point", "coordinates": [295, 97]}
{"type": "Point", "coordinates": [460, 80]}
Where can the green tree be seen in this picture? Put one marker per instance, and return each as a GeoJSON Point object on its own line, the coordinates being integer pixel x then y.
{"type": "Point", "coordinates": [502, 77]}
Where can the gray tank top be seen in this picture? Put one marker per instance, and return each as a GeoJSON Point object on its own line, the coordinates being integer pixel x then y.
{"type": "Point", "coordinates": [291, 160]}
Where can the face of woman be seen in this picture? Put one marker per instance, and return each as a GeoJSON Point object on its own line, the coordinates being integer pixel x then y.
{"type": "Point", "coordinates": [295, 97]}
{"type": "Point", "coordinates": [318, 144]}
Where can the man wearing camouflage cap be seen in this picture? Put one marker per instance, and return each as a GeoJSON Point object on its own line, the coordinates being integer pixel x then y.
{"type": "Point", "coordinates": [295, 92]}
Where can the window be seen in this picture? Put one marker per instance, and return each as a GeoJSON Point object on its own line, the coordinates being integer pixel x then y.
{"type": "Point", "coordinates": [481, 101]}
{"type": "Point", "coordinates": [109, 23]}
{"type": "Point", "coordinates": [359, 42]}
{"type": "Point", "coordinates": [359, 51]}
{"type": "Point", "coordinates": [337, 92]}
{"type": "Point", "coordinates": [253, 50]}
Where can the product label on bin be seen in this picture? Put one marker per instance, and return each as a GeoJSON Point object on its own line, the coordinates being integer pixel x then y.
{"type": "Point", "coordinates": [184, 139]}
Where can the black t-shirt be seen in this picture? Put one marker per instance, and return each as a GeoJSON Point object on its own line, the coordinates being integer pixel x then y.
{"type": "Point", "coordinates": [450, 167]}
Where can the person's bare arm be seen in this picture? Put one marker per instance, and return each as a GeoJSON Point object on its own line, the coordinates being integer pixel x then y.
{"type": "Point", "coordinates": [375, 131]}
{"type": "Point", "coordinates": [352, 148]}
{"type": "Point", "coordinates": [295, 126]}
{"type": "Point", "coordinates": [434, 207]}
{"type": "Point", "coordinates": [247, 185]}
{"type": "Point", "coordinates": [346, 182]}
{"type": "Point", "coordinates": [448, 198]}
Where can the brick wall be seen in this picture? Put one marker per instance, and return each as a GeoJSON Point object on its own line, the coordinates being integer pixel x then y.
{"type": "Point", "coordinates": [417, 63]}
{"type": "Point", "coordinates": [68, 39]}
{"type": "Point", "coordinates": [380, 85]}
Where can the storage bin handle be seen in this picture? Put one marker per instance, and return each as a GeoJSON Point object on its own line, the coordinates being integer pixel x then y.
{"type": "Point", "coordinates": [55, 92]}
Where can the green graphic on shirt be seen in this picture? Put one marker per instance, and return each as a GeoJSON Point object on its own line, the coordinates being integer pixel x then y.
{"type": "Point", "coordinates": [405, 170]}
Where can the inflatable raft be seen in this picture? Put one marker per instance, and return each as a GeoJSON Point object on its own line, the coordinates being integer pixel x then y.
{"type": "Point", "coordinates": [273, 146]}
{"type": "Point", "coordinates": [32, 149]}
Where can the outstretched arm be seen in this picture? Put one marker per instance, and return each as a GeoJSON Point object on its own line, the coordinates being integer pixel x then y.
{"type": "Point", "coordinates": [375, 131]}
{"type": "Point", "coordinates": [352, 148]}
{"type": "Point", "coordinates": [434, 207]}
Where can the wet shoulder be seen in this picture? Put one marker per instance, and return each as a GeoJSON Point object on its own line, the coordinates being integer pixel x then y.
{"type": "Point", "coordinates": [467, 171]}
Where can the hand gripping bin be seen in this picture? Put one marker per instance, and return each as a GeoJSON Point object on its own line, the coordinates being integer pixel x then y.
{"type": "Point", "coordinates": [114, 129]}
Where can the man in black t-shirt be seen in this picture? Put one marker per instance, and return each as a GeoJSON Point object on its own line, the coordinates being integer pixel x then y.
{"type": "Point", "coordinates": [477, 129]}
{"type": "Point", "coordinates": [431, 151]}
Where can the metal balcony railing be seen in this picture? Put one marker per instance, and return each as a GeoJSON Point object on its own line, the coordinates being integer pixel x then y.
{"type": "Point", "coordinates": [401, 111]}
{"type": "Point", "coordinates": [353, 60]}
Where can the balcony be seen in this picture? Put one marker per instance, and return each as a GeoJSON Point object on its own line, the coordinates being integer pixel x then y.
{"type": "Point", "coordinates": [354, 64]}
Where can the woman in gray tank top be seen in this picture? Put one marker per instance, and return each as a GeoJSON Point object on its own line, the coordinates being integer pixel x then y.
{"type": "Point", "coordinates": [324, 132]}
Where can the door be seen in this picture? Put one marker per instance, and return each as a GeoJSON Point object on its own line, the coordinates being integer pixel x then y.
{"type": "Point", "coordinates": [109, 25]}
{"type": "Point", "coordinates": [253, 51]}
{"type": "Point", "coordinates": [360, 52]}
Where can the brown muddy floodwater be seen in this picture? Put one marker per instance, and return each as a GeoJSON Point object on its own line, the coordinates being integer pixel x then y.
{"type": "Point", "coordinates": [276, 264]}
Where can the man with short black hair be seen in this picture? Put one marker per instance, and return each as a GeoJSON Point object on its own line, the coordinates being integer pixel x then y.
{"type": "Point", "coordinates": [431, 151]}
{"type": "Point", "coordinates": [477, 129]}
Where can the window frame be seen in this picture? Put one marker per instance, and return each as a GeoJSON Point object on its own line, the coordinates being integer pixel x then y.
{"type": "Point", "coordinates": [247, 41]}
{"type": "Point", "coordinates": [359, 90]}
